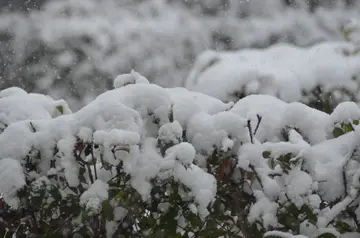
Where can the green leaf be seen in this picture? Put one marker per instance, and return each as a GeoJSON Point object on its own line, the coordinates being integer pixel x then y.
{"type": "Point", "coordinates": [337, 132]}
{"type": "Point", "coordinates": [60, 109]}
{"type": "Point", "coordinates": [309, 214]}
{"type": "Point", "coordinates": [54, 192]}
{"type": "Point", "coordinates": [347, 128]}
{"type": "Point", "coordinates": [342, 227]}
{"type": "Point", "coordinates": [120, 196]}
{"type": "Point", "coordinates": [284, 161]}
{"type": "Point", "coordinates": [213, 233]}
{"type": "Point", "coordinates": [108, 210]}
{"type": "Point", "coordinates": [85, 217]}
{"type": "Point", "coordinates": [271, 163]}
{"type": "Point", "coordinates": [356, 122]}
{"type": "Point", "coordinates": [266, 154]}
{"type": "Point", "coordinates": [327, 235]}
{"type": "Point", "coordinates": [168, 222]}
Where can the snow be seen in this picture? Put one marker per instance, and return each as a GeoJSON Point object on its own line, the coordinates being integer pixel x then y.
{"type": "Point", "coordinates": [344, 112]}
{"type": "Point", "coordinates": [171, 132]}
{"type": "Point", "coordinates": [202, 185]}
{"type": "Point", "coordinates": [328, 156]}
{"type": "Point", "coordinates": [187, 104]}
{"type": "Point", "coordinates": [68, 161]}
{"type": "Point", "coordinates": [131, 78]}
{"type": "Point", "coordinates": [183, 152]}
{"type": "Point", "coordinates": [250, 154]}
{"type": "Point", "coordinates": [282, 70]}
{"type": "Point", "coordinates": [298, 183]}
{"type": "Point", "coordinates": [269, 108]}
{"type": "Point", "coordinates": [116, 137]}
{"type": "Point", "coordinates": [283, 234]}
{"type": "Point", "coordinates": [11, 180]}
{"type": "Point", "coordinates": [120, 213]}
{"type": "Point", "coordinates": [17, 105]}
{"type": "Point", "coordinates": [265, 209]}
{"type": "Point", "coordinates": [92, 198]}
{"type": "Point", "coordinates": [167, 134]}
{"type": "Point", "coordinates": [308, 121]}
{"type": "Point", "coordinates": [85, 134]}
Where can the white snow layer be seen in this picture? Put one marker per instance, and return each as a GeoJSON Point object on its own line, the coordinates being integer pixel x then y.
{"type": "Point", "coordinates": [282, 70]}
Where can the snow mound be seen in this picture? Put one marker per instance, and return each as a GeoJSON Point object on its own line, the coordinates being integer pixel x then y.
{"type": "Point", "coordinates": [282, 70]}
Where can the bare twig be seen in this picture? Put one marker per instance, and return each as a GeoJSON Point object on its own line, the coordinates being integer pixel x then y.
{"type": "Point", "coordinates": [258, 123]}
{"type": "Point", "coordinates": [93, 160]}
{"type": "Point", "coordinates": [256, 175]}
{"type": "Point", "coordinates": [32, 127]}
{"type": "Point", "coordinates": [250, 131]}
{"type": "Point", "coordinates": [352, 214]}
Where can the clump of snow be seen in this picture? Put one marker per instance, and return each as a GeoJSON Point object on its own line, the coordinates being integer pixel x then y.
{"type": "Point", "coordinates": [183, 152]}
{"type": "Point", "coordinates": [11, 180]}
{"type": "Point", "coordinates": [116, 137]}
{"type": "Point", "coordinates": [345, 111]}
{"type": "Point", "coordinates": [93, 197]}
{"type": "Point", "coordinates": [171, 132]}
{"type": "Point", "coordinates": [186, 104]}
{"type": "Point", "coordinates": [250, 154]}
{"type": "Point", "coordinates": [202, 185]}
{"type": "Point", "coordinates": [269, 108]}
{"type": "Point", "coordinates": [265, 209]}
{"type": "Point", "coordinates": [207, 132]}
{"type": "Point", "coordinates": [12, 91]}
{"type": "Point", "coordinates": [283, 234]}
{"type": "Point", "coordinates": [86, 134]}
{"type": "Point", "coordinates": [132, 78]}
{"type": "Point", "coordinates": [298, 183]}
{"type": "Point", "coordinates": [68, 161]}
{"type": "Point", "coordinates": [281, 70]}
{"type": "Point", "coordinates": [308, 121]}
{"type": "Point", "coordinates": [17, 105]}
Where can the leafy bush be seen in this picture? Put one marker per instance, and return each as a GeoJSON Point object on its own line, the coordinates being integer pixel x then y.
{"type": "Point", "coordinates": [147, 161]}
{"type": "Point", "coordinates": [320, 76]}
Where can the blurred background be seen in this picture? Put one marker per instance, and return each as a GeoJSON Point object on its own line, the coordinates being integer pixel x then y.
{"type": "Point", "coordinates": [73, 49]}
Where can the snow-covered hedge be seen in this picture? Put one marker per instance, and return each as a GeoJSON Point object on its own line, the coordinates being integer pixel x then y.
{"type": "Point", "coordinates": [146, 161]}
{"type": "Point", "coordinates": [72, 49]}
{"type": "Point", "coordinates": [321, 75]}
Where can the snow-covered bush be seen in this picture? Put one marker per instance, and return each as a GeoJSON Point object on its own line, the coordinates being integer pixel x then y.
{"type": "Point", "coordinates": [72, 49]}
{"type": "Point", "coordinates": [146, 161]}
{"type": "Point", "coordinates": [320, 76]}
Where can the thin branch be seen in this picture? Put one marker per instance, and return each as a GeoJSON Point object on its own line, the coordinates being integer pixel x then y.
{"type": "Point", "coordinates": [83, 163]}
{"type": "Point", "coordinates": [256, 175]}
{"type": "Point", "coordinates": [93, 160]}
{"type": "Point", "coordinates": [273, 175]}
{"type": "Point", "coordinates": [32, 127]}
{"type": "Point", "coordinates": [352, 214]}
{"type": "Point", "coordinates": [250, 131]}
{"type": "Point", "coordinates": [344, 178]}
{"type": "Point", "coordinates": [258, 123]}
